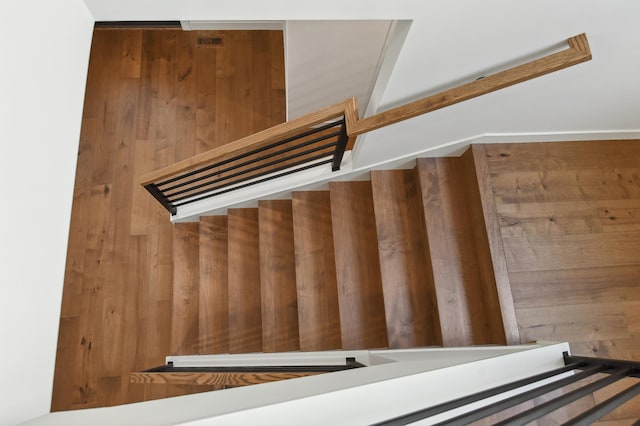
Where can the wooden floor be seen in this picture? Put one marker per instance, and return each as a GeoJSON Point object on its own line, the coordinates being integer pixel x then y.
{"type": "Point", "coordinates": [153, 97]}
{"type": "Point", "coordinates": [570, 225]}
{"type": "Point", "coordinates": [570, 221]}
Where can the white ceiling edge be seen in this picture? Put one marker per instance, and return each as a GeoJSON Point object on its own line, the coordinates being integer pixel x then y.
{"type": "Point", "coordinates": [231, 25]}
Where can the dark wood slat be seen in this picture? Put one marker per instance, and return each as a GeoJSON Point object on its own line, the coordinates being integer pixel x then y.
{"type": "Point", "coordinates": [214, 290]}
{"type": "Point", "coordinates": [357, 266]}
{"type": "Point", "coordinates": [278, 277]}
{"type": "Point", "coordinates": [407, 280]}
{"type": "Point", "coordinates": [245, 313]}
{"type": "Point", "coordinates": [184, 314]}
{"type": "Point", "coordinates": [467, 301]}
{"type": "Point", "coordinates": [318, 313]}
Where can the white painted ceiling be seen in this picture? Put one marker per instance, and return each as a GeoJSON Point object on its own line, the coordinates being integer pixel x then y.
{"type": "Point", "coordinates": [455, 40]}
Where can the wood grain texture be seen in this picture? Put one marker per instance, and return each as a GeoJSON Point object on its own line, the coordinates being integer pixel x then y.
{"type": "Point", "coordinates": [357, 266]}
{"type": "Point", "coordinates": [568, 221]}
{"type": "Point", "coordinates": [407, 280]}
{"type": "Point", "coordinates": [214, 286]}
{"type": "Point", "coordinates": [220, 379]}
{"type": "Point", "coordinates": [577, 52]}
{"type": "Point", "coordinates": [486, 196]}
{"type": "Point", "coordinates": [516, 157]}
{"type": "Point", "coordinates": [468, 304]}
{"type": "Point", "coordinates": [186, 290]}
{"type": "Point", "coordinates": [245, 314]}
{"type": "Point", "coordinates": [253, 141]}
{"type": "Point", "coordinates": [318, 312]}
{"type": "Point", "coordinates": [278, 277]}
{"type": "Point", "coordinates": [143, 90]}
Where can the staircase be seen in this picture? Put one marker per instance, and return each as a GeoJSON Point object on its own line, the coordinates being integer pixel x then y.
{"type": "Point", "coordinates": [402, 260]}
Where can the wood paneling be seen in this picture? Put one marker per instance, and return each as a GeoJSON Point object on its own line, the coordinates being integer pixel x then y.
{"type": "Point", "coordinates": [318, 312]}
{"type": "Point", "coordinates": [568, 221]}
{"type": "Point", "coordinates": [144, 89]}
{"type": "Point", "coordinates": [357, 266]}
{"type": "Point", "coordinates": [245, 317]}
{"type": "Point", "coordinates": [468, 305]}
{"type": "Point", "coordinates": [278, 277]}
{"type": "Point", "coordinates": [407, 280]}
{"type": "Point", "coordinates": [214, 290]}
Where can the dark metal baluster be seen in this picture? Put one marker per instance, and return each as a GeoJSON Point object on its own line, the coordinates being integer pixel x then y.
{"type": "Point", "coordinates": [342, 145]}
{"type": "Point", "coordinates": [605, 407]}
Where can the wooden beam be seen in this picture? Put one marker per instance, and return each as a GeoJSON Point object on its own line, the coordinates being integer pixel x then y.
{"type": "Point", "coordinates": [215, 378]}
{"type": "Point", "coordinates": [577, 52]}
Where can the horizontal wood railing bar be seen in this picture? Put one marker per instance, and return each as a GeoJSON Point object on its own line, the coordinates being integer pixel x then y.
{"type": "Point", "coordinates": [577, 52]}
{"type": "Point", "coordinates": [254, 141]}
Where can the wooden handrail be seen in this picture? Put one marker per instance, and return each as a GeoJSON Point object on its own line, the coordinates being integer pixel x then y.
{"type": "Point", "coordinates": [577, 52]}
{"type": "Point", "coordinates": [256, 140]}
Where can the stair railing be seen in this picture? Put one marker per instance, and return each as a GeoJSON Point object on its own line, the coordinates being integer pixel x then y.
{"type": "Point", "coordinates": [577, 370]}
{"type": "Point", "coordinates": [235, 375]}
{"type": "Point", "coordinates": [322, 137]}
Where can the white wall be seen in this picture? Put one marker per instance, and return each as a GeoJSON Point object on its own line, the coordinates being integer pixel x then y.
{"type": "Point", "coordinates": [398, 382]}
{"type": "Point", "coordinates": [329, 61]}
{"type": "Point", "coordinates": [45, 49]}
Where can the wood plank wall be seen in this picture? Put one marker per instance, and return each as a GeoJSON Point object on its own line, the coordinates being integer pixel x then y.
{"type": "Point", "coordinates": [570, 224]}
{"type": "Point", "coordinates": [153, 97]}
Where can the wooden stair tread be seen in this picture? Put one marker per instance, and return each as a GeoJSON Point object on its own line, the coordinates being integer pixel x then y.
{"type": "Point", "coordinates": [245, 317]}
{"type": "Point", "coordinates": [358, 276]}
{"type": "Point", "coordinates": [409, 299]}
{"type": "Point", "coordinates": [318, 313]}
{"type": "Point", "coordinates": [185, 307]}
{"type": "Point", "coordinates": [454, 251]}
{"type": "Point", "coordinates": [214, 290]}
{"type": "Point", "coordinates": [278, 277]}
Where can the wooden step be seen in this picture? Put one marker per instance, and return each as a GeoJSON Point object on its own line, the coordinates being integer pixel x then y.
{"type": "Point", "coordinates": [359, 281]}
{"type": "Point", "coordinates": [245, 313]}
{"type": "Point", "coordinates": [407, 281]}
{"type": "Point", "coordinates": [465, 289]}
{"type": "Point", "coordinates": [185, 306]}
{"type": "Point", "coordinates": [278, 277]}
{"type": "Point", "coordinates": [214, 290]}
{"type": "Point", "coordinates": [318, 312]}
